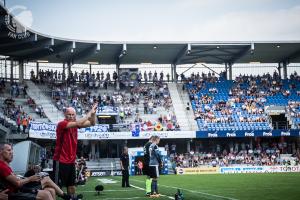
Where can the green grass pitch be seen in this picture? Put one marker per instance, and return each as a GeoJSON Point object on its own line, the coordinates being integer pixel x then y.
{"type": "Point", "coordinates": [283, 186]}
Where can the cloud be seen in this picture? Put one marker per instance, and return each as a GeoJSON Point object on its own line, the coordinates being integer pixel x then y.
{"type": "Point", "coordinates": [271, 25]}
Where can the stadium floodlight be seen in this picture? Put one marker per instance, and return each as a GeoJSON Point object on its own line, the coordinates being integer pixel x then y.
{"type": "Point", "coordinates": [124, 51]}
{"type": "Point", "coordinates": [252, 48]}
{"type": "Point", "coordinates": [189, 49]}
{"type": "Point", "coordinates": [42, 61]}
{"type": "Point", "coordinates": [93, 63]}
{"type": "Point", "coordinates": [98, 47]}
{"type": "Point", "coordinates": [254, 62]}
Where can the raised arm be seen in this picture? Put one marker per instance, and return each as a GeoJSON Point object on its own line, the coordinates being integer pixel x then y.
{"type": "Point", "coordinates": [87, 121]}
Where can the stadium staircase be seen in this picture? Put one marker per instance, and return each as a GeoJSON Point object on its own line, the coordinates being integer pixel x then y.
{"type": "Point", "coordinates": [180, 99]}
{"type": "Point", "coordinates": [52, 113]}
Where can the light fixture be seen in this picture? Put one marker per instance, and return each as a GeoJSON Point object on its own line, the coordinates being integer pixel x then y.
{"type": "Point", "coordinates": [52, 41]}
{"type": "Point", "coordinates": [154, 47]}
{"type": "Point", "coordinates": [42, 61]}
{"type": "Point", "coordinates": [189, 49]}
{"type": "Point", "coordinates": [98, 47]}
{"type": "Point", "coordinates": [278, 46]}
{"type": "Point", "coordinates": [252, 48]}
{"type": "Point", "coordinates": [93, 63]}
{"type": "Point", "coordinates": [218, 47]}
{"type": "Point", "coordinates": [72, 50]}
{"type": "Point", "coordinates": [254, 62]}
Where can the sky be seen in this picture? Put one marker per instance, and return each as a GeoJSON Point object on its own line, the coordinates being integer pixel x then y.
{"type": "Point", "coordinates": [162, 20]}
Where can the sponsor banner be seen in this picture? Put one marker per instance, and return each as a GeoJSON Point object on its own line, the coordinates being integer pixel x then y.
{"type": "Point", "coordinates": [257, 133]}
{"type": "Point", "coordinates": [198, 170]}
{"type": "Point", "coordinates": [98, 173]}
{"type": "Point", "coordinates": [107, 110]}
{"type": "Point", "coordinates": [259, 169]}
{"type": "Point", "coordinates": [42, 130]}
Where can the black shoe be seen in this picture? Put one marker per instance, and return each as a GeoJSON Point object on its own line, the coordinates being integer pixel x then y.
{"type": "Point", "coordinates": [66, 196]}
{"type": "Point", "coordinates": [78, 197]}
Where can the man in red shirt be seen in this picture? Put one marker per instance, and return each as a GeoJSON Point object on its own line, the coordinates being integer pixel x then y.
{"type": "Point", "coordinates": [12, 183]}
{"type": "Point", "coordinates": [66, 147]}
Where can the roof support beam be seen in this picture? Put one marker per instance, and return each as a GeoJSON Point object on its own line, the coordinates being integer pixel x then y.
{"type": "Point", "coordinates": [85, 53]}
{"type": "Point", "coordinates": [121, 54]}
{"type": "Point", "coordinates": [35, 55]}
{"type": "Point", "coordinates": [290, 57]}
{"type": "Point", "coordinates": [25, 46]}
{"type": "Point", "coordinates": [240, 54]}
{"type": "Point", "coordinates": [183, 52]}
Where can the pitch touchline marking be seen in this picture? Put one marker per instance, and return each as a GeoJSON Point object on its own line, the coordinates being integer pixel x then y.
{"type": "Point", "coordinates": [144, 189]}
{"type": "Point", "coordinates": [123, 198]}
{"type": "Point", "coordinates": [192, 191]}
{"type": "Point", "coordinates": [105, 191]}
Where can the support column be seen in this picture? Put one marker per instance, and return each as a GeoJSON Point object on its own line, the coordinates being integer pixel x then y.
{"type": "Point", "coordinates": [37, 70]}
{"type": "Point", "coordinates": [285, 75]}
{"type": "Point", "coordinates": [93, 150]}
{"type": "Point", "coordinates": [118, 73]}
{"type": "Point", "coordinates": [21, 71]}
{"type": "Point", "coordinates": [174, 78]}
{"type": "Point", "coordinates": [226, 71]}
{"type": "Point", "coordinates": [5, 70]}
{"type": "Point", "coordinates": [172, 73]}
{"type": "Point", "coordinates": [230, 71]}
{"type": "Point", "coordinates": [279, 69]}
{"type": "Point", "coordinates": [11, 70]}
{"type": "Point", "coordinates": [69, 69]}
{"type": "Point", "coordinates": [90, 69]}
{"type": "Point", "coordinates": [64, 73]}
{"type": "Point", "coordinates": [188, 147]}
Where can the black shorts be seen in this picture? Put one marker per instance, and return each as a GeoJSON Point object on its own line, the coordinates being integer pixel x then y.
{"type": "Point", "coordinates": [146, 170]}
{"type": "Point", "coordinates": [154, 171]}
{"type": "Point", "coordinates": [22, 196]}
{"type": "Point", "coordinates": [65, 174]}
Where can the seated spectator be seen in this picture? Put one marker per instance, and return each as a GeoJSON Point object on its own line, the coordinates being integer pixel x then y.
{"type": "Point", "coordinates": [45, 190]}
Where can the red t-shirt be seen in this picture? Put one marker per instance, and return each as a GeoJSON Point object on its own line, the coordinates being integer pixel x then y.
{"type": "Point", "coordinates": [66, 143]}
{"type": "Point", "coordinates": [5, 171]}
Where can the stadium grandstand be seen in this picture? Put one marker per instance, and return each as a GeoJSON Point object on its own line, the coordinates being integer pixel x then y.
{"type": "Point", "coordinates": [219, 107]}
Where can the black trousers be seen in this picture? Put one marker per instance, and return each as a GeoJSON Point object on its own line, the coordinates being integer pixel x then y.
{"type": "Point", "coordinates": [125, 178]}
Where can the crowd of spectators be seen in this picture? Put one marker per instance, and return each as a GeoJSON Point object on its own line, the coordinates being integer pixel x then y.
{"type": "Point", "coordinates": [257, 156]}
{"type": "Point", "coordinates": [242, 100]}
{"type": "Point", "coordinates": [16, 113]}
{"type": "Point", "coordinates": [131, 102]}
{"type": "Point", "coordinates": [293, 109]}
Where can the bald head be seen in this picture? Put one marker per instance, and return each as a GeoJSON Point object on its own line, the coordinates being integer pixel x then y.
{"type": "Point", "coordinates": [70, 114]}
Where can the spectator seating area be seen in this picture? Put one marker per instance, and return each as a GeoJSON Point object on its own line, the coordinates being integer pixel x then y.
{"type": "Point", "coordinates": [221, 104]}
{"type": "Point", "coordinates": [148, 105]}
{"type": "Point", "coordinates": [266, 152]}
{"type": "Point", "coordinates": [17, 110]}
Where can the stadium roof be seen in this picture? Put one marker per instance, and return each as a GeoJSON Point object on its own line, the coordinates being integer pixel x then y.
{"type": "Point", "coordinates": [29, 45]}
